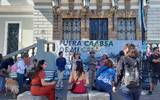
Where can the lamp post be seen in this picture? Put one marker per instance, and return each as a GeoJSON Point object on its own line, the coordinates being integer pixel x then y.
{"type": "Point", "coordinates": [115, 3]}
{"type": "Point", "coordinates": [142, 20]}
{"type": "Point", "coordinates": [86, 3]}
{"type": "Point", "coordinates": [55, 5]}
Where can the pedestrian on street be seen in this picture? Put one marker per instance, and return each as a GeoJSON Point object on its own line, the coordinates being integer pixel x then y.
{"type": "Point", "coordinates": [92, 63]}
{"type": "Point", "coordinates": [130, 85]}
{"type": "Point", "coordinates": [155, 68]}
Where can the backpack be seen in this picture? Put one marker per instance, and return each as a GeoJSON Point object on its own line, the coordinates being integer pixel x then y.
{"type": "Point", "coordinates": [14, 67]}
{"type": "Point", "coordinates": [131, 73]}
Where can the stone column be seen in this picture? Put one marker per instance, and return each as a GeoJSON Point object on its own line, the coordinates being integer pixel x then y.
{"type": "Point", "coordinates": [40, 49]}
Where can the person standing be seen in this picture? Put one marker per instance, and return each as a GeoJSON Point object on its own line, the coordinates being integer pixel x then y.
{"type": "Point", "coordinates": [60, 63]}
{"type": "Point", "coordinates": [76, 57]}
{"type": "Point", "coordinates": [32, 67]}
{"type": "Point", "coordinates": [155, 68]}
{"type": "Point", "coordinates": [1, 58]}
{"type": "Point", "coordinates": [21, 72]}
{"type": "Point", "coordinates": [5, 67]}
{"type": "Point", "coordinates": [123, 53]}
{"type": "Point", "coordinates": [39, 87]}
{"type": "Point", "coordinates": [2, 78]}
{"type": "Point", "coordinates": [92, 69]}
{"type": "Point", "coordinates": [130, 85]}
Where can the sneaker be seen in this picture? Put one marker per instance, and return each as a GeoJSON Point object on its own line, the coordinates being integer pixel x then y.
{"type": "Point", "coordinates": [149, 92]}
{"type": "Point", "coordinates": [61, 85]}
{"type": "Point", "coordinates": [143, 92]}
{"type": "Point", "coordinates": [57, 86]}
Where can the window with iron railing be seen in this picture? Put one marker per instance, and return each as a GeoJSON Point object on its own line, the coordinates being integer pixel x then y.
{"type": "Point", "coordinates": [71, 29]}
{"type": "Point", "coordinates": [98, 29]}
{"type": "Point", "coordinates": [126, 28]}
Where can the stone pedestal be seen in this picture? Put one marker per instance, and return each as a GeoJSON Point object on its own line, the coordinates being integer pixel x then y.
{"type": "Point", "coordinates": [96, 95]}
{"type": "Point", "coordinates": [91, 95]}
{"type": "Point", "coordinates": [72, 96]}
{"type": "Point", "coordinates": [27, 96]}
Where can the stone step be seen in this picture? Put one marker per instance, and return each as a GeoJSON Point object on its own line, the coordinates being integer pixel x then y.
{"type": "Point", "coordinates": [91, 95]}
{"type": "Point", "coordinates": [27, 96]}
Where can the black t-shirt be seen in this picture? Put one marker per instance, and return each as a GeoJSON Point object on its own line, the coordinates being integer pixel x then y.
{"type": "Point", "coordinates": [5, 63]}
{"type": "Point", "coordinates": [121, 53]}
{"type": "Point", "coordinates": [155, 67]}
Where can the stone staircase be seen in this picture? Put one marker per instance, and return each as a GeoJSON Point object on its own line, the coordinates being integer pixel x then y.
{"type": "Point", "coordinates": [41, 50]}
{"type": "Point", "coordinates": [153, 20]}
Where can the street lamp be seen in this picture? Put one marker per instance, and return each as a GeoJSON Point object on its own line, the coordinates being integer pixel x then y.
{"type": "Point", "coordinates": [146, 3]}
{"type": "Point", "coordinates": [115, 3]}
{"type": "Point", "coordinates": [55, 3]}
{"type": "Point", "coordinates": [86, 3]}
{"type": "Point", "coordinates": [85, 10]}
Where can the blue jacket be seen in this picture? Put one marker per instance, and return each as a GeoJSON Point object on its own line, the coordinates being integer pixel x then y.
{"type": "Point", "coordinates": [60, 63]}
{"type": "Point", "coordinates": [106, 74]}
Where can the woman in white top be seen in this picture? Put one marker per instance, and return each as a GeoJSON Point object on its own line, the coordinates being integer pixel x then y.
{"type": "Point", "coordinates": [75, 57]}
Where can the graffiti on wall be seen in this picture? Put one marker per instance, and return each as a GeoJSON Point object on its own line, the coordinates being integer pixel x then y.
{"type": "Point", "coordinates": [109, 47]}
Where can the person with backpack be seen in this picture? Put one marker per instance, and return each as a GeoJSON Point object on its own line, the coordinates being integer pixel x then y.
{"type": "Point", "coordinates": [121, 54]}
{"type": "Point", "coordinates": [105, 78]}
{"type": "Point", "coordinates": [128, 67]}
{"type": "Point", "coordinates": [154, 60]}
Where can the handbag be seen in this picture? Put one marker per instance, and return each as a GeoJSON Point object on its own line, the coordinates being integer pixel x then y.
{"type": "Point", "coordinates": [14, 67]}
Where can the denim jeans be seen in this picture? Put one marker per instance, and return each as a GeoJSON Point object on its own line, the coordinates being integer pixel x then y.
{"type": "Point", "coordinates": [92, 75]}
{"type": "Point", "coordinates": [60, 78]}
{"type": "Point", "coordinates": [101, 86]}
{"type": "Point", "coordinates": [2, 83]}
{"type": "Point", "coordinates": [20, 79]}
{"type": "Point", "coordinates": [131, 94]}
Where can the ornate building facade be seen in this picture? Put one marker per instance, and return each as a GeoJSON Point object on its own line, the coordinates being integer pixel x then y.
{"type": "Point", "coordinates": [66, 20]}
{"type": "Point", "coordinates": [97, 20]}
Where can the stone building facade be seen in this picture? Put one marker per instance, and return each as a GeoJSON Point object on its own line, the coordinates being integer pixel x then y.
{"type": "Point", "coordinates": [67, 20]}
{"type": "Point", "coordinates": [70, 20]}
{"type": "Point", "coordinates": [118, 20]}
